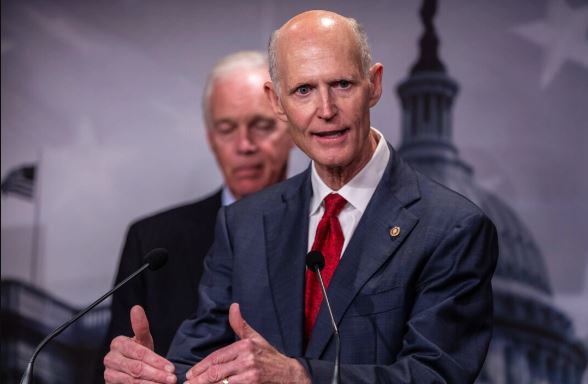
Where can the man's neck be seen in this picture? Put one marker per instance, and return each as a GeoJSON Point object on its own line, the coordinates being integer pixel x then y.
{"type": "Point", "coordinates": [337, 177]}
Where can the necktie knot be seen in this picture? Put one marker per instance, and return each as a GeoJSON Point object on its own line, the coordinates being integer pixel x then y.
{"type": "Point", "coordinates": [334, 203]}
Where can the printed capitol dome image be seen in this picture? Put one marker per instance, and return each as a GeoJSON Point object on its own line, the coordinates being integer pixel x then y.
{"type": "Point", "coordinates": [533, 340]}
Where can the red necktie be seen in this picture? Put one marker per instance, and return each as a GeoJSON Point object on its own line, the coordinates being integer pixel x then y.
{"type": "Point", "coordinates": [329, 241]}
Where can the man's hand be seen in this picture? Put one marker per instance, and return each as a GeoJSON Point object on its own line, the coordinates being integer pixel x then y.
{"type": "Point", "coordinates": [132, 360]}
{"type": "Point", "coordinates": [249, 360]}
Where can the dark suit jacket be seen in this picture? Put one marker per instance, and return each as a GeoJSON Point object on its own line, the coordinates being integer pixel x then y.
{"type": "Point", "coordinates": [411, 308]}
{"type": "Point", "coordinates": [169, 295]}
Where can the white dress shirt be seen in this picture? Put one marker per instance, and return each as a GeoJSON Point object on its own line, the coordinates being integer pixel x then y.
{"type": "Point", "coordinates": [227, 197]}
{"type": "Point", "coordinates": [358, 192]}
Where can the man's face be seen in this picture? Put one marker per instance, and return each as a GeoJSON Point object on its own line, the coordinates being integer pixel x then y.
{"type": "Point", "coordinates": [250, 145]}
{"type": "Point", "coordinates": [326, 97]}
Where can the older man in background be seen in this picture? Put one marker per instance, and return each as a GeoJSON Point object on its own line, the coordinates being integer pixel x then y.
{"type": "Point", "coordinates": [251, 147]}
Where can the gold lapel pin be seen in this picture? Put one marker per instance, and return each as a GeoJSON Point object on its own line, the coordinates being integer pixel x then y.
{"type": "Point", "coordinates": [395, 231]}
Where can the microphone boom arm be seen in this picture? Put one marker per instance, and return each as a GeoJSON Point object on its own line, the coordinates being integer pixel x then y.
{"type": "Point", "coordinates": [154, 260]}
{"type": "Point", "coordinates": [26, 378]}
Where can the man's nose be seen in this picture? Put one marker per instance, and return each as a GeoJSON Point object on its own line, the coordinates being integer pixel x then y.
{"type": "Point", "coordinates": [245, 142]}
{"type": "Point", "coordinates": [327, 108]}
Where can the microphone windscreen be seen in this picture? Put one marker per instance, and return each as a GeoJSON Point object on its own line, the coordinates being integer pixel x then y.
{"type": "Point", "coordinates": [315, 261]}
{"type": "Point", "coordinates": [156, 258]}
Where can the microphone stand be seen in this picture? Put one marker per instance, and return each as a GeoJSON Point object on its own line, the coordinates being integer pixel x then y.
{"type": "Point", "coordinates": [336, 375]}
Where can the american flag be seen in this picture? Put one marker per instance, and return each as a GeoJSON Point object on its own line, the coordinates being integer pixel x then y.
{"type": "Point", "coordinates": [20, 181]}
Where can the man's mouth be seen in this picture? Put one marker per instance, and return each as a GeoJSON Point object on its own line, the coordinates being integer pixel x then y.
{"type": "Point", "coordinates": [247, 171]}
{"type": "Point", "coordinates": [332, 134]}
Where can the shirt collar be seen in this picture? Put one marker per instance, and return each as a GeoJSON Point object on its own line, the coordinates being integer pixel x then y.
{"type": "Point", "coordinates": [359, 190]}
{"type": "Point", "coordinates": [227, 197]}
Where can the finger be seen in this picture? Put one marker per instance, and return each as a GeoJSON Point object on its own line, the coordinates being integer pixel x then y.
{"type": "Point", "coordinates": [140, 326]}
{"type": "Point", "coordinates": [122, 370]}
{"type": "Point", "coordinates": [140, 370]}
{"type": "Point", "coordinates": [123, 349]}
{"type": "Point", "coordinates": [112, 376]}
{"type": "Point", "coordinates": [220, 356]}
{"type": "Point", "coordinates": [216, 373]}
{"type": "Point", "coordinates": [116, 377]}
{"type": "Point", "coordinates": [239, 325]}
{"type": "Point", "coordinates": [245, 377]}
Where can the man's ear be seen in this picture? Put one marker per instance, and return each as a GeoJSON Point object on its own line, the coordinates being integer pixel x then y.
{"type": "Point", "coordinates": [274, 100]}
{"type": "Point", "coordinates": [376, 72]}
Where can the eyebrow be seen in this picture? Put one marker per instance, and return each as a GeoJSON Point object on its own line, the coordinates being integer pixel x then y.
{"type": "Point", "coordinates": [256, 118]}
{"type": "Point", "coordinates": [249, 119]}
{"type": "Point", "coordinates": [347, 76]}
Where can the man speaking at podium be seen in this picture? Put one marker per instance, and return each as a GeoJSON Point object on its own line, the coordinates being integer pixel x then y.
{"type": "Point", "coordinates": [408, 262]}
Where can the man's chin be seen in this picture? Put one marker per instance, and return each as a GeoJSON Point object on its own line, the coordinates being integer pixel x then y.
{"type": "Point", "coordinates": [331, 162]}
{"type": "Point", "coordinates": [246, 189]}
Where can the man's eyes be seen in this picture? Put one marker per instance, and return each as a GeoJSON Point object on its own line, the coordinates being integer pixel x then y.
{"type": "Point", "coordinates": [263, 126]}
{"type": "Point", "coordinates": [306, 89]}
{"type": "Point", "coordinates": [224, 129]}
{"type": "Point", "coordinates": [343, 84]}
{"type": "Point", "coordinates": [303, 90]}
{"type": "Point", "coordinates": [258, 128]}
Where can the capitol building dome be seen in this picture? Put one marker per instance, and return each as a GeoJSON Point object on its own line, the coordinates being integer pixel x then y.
{"type": "Point", "coordinates": [533, 340]}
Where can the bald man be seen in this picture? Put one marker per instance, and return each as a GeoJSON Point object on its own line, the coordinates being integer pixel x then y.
{"type": "Point", "coordinates": [408, 262]}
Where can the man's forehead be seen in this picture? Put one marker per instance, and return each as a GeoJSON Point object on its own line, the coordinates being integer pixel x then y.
{"type": "Point", "coordinates": [231, 97]}
{"type": "Point", "coordinates": [325, 56]}
{"type": "Point", "coordinates": [250, 77]}
{"type": "Point", "coordinates": [299, 41]}
{"type": "Point", "coordinates": [239, 96]}
{"type": "Point", "coordinates": [321, 69]}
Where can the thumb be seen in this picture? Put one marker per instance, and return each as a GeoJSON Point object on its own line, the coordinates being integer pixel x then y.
{"type": "Point", "coordinates": [239, 325]}
{"type": "Point", "coordinates": [140, 326]}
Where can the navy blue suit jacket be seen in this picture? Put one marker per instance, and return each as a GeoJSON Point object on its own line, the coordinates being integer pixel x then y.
{"type": "Point", "coordinates": [411, 308]}
{"type": "Point", "coordinates": [170, 295]}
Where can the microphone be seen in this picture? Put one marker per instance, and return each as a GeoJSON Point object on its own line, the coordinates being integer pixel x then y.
{"type": "Point", "coordinates": [154, 260]}
{"type": "Point", "coordinates": [315, 261]}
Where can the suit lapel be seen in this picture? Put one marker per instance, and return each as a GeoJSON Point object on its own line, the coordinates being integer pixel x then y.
{"type": "Point", "coordinates": [212, 206]}
{"type": "Point", "coordinates": [286, 229]}
{"type": "Point", "coordinates": [370, 247]}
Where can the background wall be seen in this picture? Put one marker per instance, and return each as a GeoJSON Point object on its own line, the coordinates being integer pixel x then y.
{"type": "Point", "coordinates": [105, 98]}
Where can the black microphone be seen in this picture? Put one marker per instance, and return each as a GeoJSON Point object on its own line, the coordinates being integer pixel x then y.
{"type": "Point", "coordinates": [154, 260]}
{"type": "Point", "coordinates": [315, 261]}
